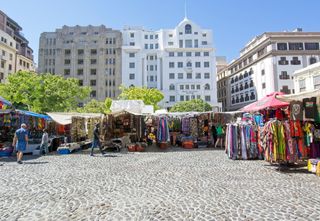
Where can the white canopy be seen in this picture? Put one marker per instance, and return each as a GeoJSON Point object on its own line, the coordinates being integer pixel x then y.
{"type": "Point", "coordinates": [131, 106]}
{"type": "Point", "coordinates": [299, 96]}
{"type": "Point", "coordinates": [66, 118]}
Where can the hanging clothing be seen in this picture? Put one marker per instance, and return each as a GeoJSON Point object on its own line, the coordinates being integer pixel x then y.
{"type": "Point", "coordinates": [310, 107]}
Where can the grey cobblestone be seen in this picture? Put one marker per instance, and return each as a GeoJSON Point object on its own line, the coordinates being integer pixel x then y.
{"type": "Point", "coordinates": [177, 185]}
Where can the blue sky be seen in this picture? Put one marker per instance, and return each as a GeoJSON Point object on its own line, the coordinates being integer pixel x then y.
{"type": "Point", "coordinates": [234, 22]}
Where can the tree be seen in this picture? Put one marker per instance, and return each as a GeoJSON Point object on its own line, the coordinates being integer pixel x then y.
{"type": "Point", "coordinates": [197, 105]}
{"type": "Point", "coordinates": [150, 96]}
{"type": "Point", "coordinates": [95, 106]}
{"type": "Point", "coordinates": [43, 92]}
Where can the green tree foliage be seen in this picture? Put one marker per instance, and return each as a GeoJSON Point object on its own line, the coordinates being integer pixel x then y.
{"type": "Point", "coordinates": [95, 106]}
{"type": "Point", "coordinates": [197, 105]}
{"type": "Point", "coordinates": [43, 92]}
{"type": "Point", "coordinates": [150, 96]}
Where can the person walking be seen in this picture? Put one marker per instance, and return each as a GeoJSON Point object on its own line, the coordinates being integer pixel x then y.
{"type": "Point", "coordinates": [213, 134]}
{"type": "Point", "coordinates": [20, 141]}
{"type": "Point", "coordinates": [44, 142]}
{"type": "Point", "coordinates": [220, 133]}
{"type": "Point", "coordinates": [96, 140]}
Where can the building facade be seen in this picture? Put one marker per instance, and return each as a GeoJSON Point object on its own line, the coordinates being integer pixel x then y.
{"type": "Point", "coordinates": [15, 54]}
{"type": "Point", "coordinates": [91, 54]}
{"type": "Point", "coordinates": [267, 64]}
{"type": "Point", "coordinates": [307, 79]}
{"type": "Point", "coordinates": [180, 62]}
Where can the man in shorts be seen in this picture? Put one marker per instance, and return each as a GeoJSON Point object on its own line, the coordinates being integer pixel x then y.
{"type": "Point", "coordinates": [20, 141]}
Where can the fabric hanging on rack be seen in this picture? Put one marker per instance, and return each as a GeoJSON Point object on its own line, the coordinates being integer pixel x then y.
{"type": "Point", "coordinates": [163, 130]}
{"type": "Point", "coordinates": [194, 127]}
{"type": "Point", "coordinates": [186, 125]}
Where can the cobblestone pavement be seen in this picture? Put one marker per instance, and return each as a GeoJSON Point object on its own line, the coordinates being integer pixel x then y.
{"type": "Point", "coordinates": [178, 185]}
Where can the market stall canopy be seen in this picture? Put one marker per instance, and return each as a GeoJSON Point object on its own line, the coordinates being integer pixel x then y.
{"type": "Point", "coordinates": [270, 101]}
{"type": "Point", "coordinates": [299, 96]}
{"type": "Point", "coordinates": [136, 107]}
{"type": "Point", "coordinates": [33, 114]}
{"type": "Point", "coordinates": [4, 101]}
{"type": "Point", "coordinates": [66, 118]}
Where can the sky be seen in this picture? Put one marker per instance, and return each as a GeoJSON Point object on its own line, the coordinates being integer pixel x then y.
{"type": "Point", "coordinates": [233, 22]}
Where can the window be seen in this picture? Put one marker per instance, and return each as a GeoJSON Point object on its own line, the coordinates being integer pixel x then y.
{"type": "Point", "coordinates": [93, 93]}
{"type": "Point", "coordinates": [93, 51]}
{"type": "Point", "coordinates": [131, 65]}
{"type": "Point", "coordinates": [132, 55]}
{"type": "Point", "coordinates": [181, 87]}
{"type": "Point", "coordinates": [284, 75]}
{"type": "Point", "coordinates": [145, 46]}
{"type": "Point", "coordinates": [67, 61]}
{"type": "Point", "coordinates": [93, 83]}
{"type": "Point", "coordinates": [181, 98]}
{"type": "Point", "coordinates": [131, 43]}
{"type": "Point", "coordinates": [285, 89]}
{"type": "Point", "coordinates": [80, 72]}
{"type": "Point", "coordinates": [302, 85]}
{"type": "Point", "coordinates": [180, 43]}
{"type": "Point", "coordinates": [131, 35]}
{"type": "Point", "coordinates": [206, 54]}
{"type": "Point", "coordinates": [80, 61]}
{"type": "Point", "coordinates": [171, 54]}
{"type": "Point", "coordinates": [171, 87]}
{"type": "Point", "coordinates": [204, 43]}
{"type": "Point", "coordinates": [188, 29]}
{"type": "Point", "coordinates": [80, 51]}
{"type": "Point", "coordinates": [207, 86]}
{"type": "Point", "coordinates": [171, 76]}
{"type": "Point", "coordinates": [151, 67]}
{"type": "Point", "coordinates": [262, 72]}
{"type": "Point", "coordinates": [283, 61]}
{"type": "Point", "coordinates": [180, 64]}
{"type": "Point", "coordinates": [170, 43]}
{"type": "Point", "coordinates": [145, 36]}
{"type": "Point", "coordinates": [188, 54]}
{"type": "Point", "coordinates": [172, 98]}
{"type": "Point", "coordinates": [312, 60]}
{"type": "Point", "coordinates": [80, 82]}
{"type": "Point", "coordinates": [66, 71]}
{"type": "Point", "coordinates": [261, 52]}
{"type": "Point", "coordinates": [188, 43]}
{"type": "Point", "coordinates": [187, 97]}
{"type": "Point", "coordinates": [207, 98]}
{"type": "Point", "coordinates": [180, 54]}
{"type": "Point", "coordinates": [189, 64]}
{"type": "Point", "coordinates": [295, 61]}
{"type": "Point", "coordinates": [251, 83]}
{"type": "Point", "coordinates": [151, 78]}
{"type": "Point", "coordinates": [193, 87]}
{"type": "Point", "coordinates": [263, 85]}
{"type": "Point", "coordinates": [67, 52]}
{"type": "Point", "coordinates": [206, 75]}
{"type": "Point", "coordinates": [151, 36]}
{"type": "Point", "coordinates": [198, 64]}
{"type": "Point", "coordinates": [187, 87]}
{"type": "Point", "coordinates": [156, 36]}
{"type": "Point", "coordinates": [189, 75]}
{"type": "Point", "coordinates": [197, 54]}
{"type": "Point", "coordinates": [93, 71]}
{"type": "Point", "coordinates": [296, 46]}
{"type": "Point", "coordinates": [311, 46]}
{"type": "Point", "coordinates": [198, 87]}
{"type": "Point", "coordinates": [171, 64]}
{"type": "Point", "coordinates": [131, 76]}
{"type": "Point", "coordinates": [93, 61]}
{"type": "Point", "coordinates": [282, 46]}
{"type": "Point", "coordinates": [198, 75]}
{"type": "Point", "coordinates": [206, 64]}
{"type": "Point", "coordinates": [316, 82]}
{"type": "Point", "coordinates": [156, 46]}
{"type": "Point", "coordinates": [196, 44]}
{"type": "Point", "coordinates": [180, 75]}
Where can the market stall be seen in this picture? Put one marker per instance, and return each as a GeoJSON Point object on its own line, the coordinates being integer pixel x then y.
{"type": "Point", "coordinates": [6, 129]}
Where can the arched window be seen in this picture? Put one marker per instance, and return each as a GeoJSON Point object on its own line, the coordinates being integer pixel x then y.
{"type": "Point", "coordinates": [188, 29]}
{"type": "Point", "coordinates": [171, 87]}
{"type": "Point", "coordinates": [312, 60]}
{"type": "Point", "coordinates": [207, 87]}
{"type": "Point", "coordinates": [189, 64]}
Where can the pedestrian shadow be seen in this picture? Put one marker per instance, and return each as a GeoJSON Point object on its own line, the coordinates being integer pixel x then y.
{"type": "Point", "coordinates": [288, 169]}
{"type": "Point", "coordinates": [35, 163]}
{"type": "Point", "coordinates": [14, 158]}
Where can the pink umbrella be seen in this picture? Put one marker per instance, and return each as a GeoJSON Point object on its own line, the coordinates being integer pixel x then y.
{"type": "Point", "coordinates": [270, 101]}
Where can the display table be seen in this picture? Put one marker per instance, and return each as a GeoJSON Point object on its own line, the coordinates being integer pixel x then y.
{"type": "Point", "coordinates": [6, 151]}
{"type": "Point", "coordinates": [68, 148]}
{"type": "Point", "coordinates": [314, 166]}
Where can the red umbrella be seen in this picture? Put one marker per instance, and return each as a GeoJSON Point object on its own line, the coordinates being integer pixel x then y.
{"type": "Point", "coordinates": [270, 101]}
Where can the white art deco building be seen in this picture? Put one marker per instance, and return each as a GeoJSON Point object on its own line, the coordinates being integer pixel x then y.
{"type": "Point", "coordinates": [180, 62]}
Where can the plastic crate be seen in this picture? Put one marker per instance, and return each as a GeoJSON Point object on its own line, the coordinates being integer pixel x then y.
{"type": "Point", "coordinates": [64, 151]}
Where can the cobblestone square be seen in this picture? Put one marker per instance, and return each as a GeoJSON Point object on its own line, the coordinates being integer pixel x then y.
{"type": "Point", "coordinates": [173, 185]}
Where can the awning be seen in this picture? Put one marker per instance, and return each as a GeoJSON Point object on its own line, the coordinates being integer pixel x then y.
{"type": "Point", "coordinates": [66, 118]}
{"type": "Point", "coordinates": [270, 101]}
{"type": "Point", "coordinates": [4, 101]}
{"type": "Point", "coordinates": [131, 106]}
{"type": "Point", "coordinates": [299, 96]}
{"type": "Point", "coordinates": [29, 113]}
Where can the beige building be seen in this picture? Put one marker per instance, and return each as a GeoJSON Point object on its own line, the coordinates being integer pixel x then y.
{"type": "Point", "coordinates": [90, 53]}
{"type": "Point", "coordinates": [15, 54]}
{"type": "Point", "coordinates": [267, 64]}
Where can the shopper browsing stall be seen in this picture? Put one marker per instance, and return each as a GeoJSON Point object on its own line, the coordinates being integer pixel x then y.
{"type": "Point", "coordinates": [20, 141]}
